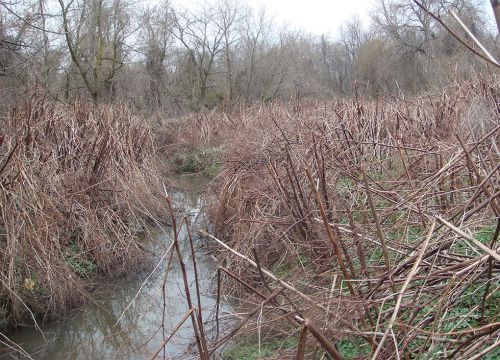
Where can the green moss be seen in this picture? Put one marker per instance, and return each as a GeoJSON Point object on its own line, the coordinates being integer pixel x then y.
{"type": "Point", "coordinates": [250, 350]}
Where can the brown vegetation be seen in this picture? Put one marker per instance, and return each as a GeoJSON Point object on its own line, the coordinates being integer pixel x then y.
{"type": "Point", "coordinates": [370, 225]}
{"type": "Point", "coordinates": [76, 188]}
{"type": "Point", "coordinates": [363, 214]}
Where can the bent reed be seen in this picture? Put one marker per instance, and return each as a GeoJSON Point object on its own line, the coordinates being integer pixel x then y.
{"type": "Point", "coordinates": [77, 189]}
{"type": "Point", "coordinates": [378, 220]}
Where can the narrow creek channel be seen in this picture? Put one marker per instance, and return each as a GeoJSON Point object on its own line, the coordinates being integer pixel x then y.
{"type": "Point", "coordinates": [95, 332]}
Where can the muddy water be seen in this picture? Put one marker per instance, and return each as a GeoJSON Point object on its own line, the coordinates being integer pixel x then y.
{"type": "Point", "coordinates": [97, 332]}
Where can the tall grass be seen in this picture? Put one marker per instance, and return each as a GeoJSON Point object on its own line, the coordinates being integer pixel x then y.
{"type": "Point", "coordinates": [76, 191]}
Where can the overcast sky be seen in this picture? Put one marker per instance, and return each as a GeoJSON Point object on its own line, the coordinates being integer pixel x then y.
{"type": "Point", "coordinates": [325, 16]}
{"type": "Point", "coordinates": [319, 16]}
{"type": "Point", "coordinates": [313, 16]}
{"type": "Point", "coordinates": [316, 16]}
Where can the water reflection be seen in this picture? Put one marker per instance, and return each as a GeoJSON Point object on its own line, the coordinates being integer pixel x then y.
{"type": "Point", "coordinates": [93, 333]}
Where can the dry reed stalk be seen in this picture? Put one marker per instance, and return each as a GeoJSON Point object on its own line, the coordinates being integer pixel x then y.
{"type": "Point", "coordinates": [196, 323]}
{"type": "Point", "coordinates": [301, 347]}
{"type": "Point", "coordinates": [78, 186]}
{"type": "Point", "coordinates": [196, 277]}
{"type": "Point", "coordinates": [414, 172]}
{"type": "Point", "coordinates": [172, 333]}
{"type": "Point", "coordinates": [252, 313]}
{"type": "Point", "coordinates": [334, 239]}
{"type": "Point", "coordinates": [264, 271]}
{"type": "Point", "coordinates": [403, 289]}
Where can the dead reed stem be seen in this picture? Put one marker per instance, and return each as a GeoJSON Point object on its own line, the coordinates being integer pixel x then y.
{"type": "Point", "coordinates": [309, 188]}
{"type": "Point", "coordinates": [197, 325]}
{"type": "Point", "coordinates": [78, 188]}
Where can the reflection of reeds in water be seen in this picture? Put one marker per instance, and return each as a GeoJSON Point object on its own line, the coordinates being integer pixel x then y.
{"type": "Point", "coordinates": [76, 190]}
{"type": "Point", "coordinates": [372, 226]}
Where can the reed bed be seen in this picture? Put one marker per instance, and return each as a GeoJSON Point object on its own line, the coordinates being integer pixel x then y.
{"type": "Point", "coordinates": [362, 228]}
{"type": "Point", "coordinates": [77, 189]}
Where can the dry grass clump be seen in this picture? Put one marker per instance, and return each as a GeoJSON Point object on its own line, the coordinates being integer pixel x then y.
{"type": "Point", "coordinates": [76, 190]}
{"type": "Point", "coordinates": [377, 219]}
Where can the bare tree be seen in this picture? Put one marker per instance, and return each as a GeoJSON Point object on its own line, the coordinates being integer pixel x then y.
{"type": "Point", "coordinates": [224, 51]}
{"type": "Point", "coordinates": [337, 65]}
{"type": "Point", "coordinates": [352, 36]}
{"type": "Point", "coordinates": [276, 66]}
{"type": "Point", "coordinates": [255, 37]}
{"type": "Point", "coordinates": [157, 39]}
{"type": "Point", "coordinates": [202, 36]}
{"type": "Point", "coordinates": [95, 33]}
{"type": "Point", "coordinates": [230, 19]}
{"type": "Point", "coordinates": [16, 45]}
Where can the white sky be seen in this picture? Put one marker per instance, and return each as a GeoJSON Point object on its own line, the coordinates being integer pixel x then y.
{"type": "Point", "coordinates": [325, 16]}
{"type": "Point", "coordinates": [316, 16]}
{"type": "Point", "coordinates": [313, 16]}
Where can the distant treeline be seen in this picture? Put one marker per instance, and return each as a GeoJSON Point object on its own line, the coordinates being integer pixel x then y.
{"type": "Point", "coordinates": [163, 57]}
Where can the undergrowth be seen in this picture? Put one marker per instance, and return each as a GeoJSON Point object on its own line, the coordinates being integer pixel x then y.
{"type": "Point", "coordinates": [205, 161]}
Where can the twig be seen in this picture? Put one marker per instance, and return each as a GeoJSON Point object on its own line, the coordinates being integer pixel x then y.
{"type": "Point", "coordinates": [438, 19]}
{"type": "Point", "coordinates": [176, 328]}
{"type": "Point", "coordinates": [403, 289]}
{"type": "Point", "coordinates": [478, 43]}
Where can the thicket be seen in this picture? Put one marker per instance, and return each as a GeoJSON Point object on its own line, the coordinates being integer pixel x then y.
{"type": "Point", "coordinates": [371, 225]}
{"type": "Point", "coordinates": [353, 196]}
{"type": "Point", "coordinates": [77, 189]}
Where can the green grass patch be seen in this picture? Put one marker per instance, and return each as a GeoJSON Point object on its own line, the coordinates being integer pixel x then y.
{"type": "Point", "coordinates": [485, 234]}
{"type": "Point", "coordinates": [83, 267]}
{"type": "Point", "coordinates": [414, 233]}
{"type": "Point", "coordinates": [283, 270]}
{"type": "Point", "coordinates": [353, 349]}
{"type": "Point", "coordinates": [494, 355]}
{"type": "Point", "coordinates": [250, 350]}
{"type": "Point", "coordinates": [464, 314]}
{"type": "Point", "coordinates": [202, 160]}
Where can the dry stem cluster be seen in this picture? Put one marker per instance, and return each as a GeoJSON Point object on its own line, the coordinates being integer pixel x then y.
{"type": "Point", "coordinates": [365, 224]}
{"type": "Point", "coordinates": [76, 190]}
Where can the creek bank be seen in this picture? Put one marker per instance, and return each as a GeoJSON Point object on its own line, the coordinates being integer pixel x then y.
{"type": "Point", "coordinates": [340, 200]}
{"type": "Point", "coordinates": [78, 188]}
{"type": "Point", "coordinates": [99, 331]}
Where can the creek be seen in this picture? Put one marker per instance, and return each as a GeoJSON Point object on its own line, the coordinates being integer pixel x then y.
{"type": "Point", "coordinates": [96, 330]}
